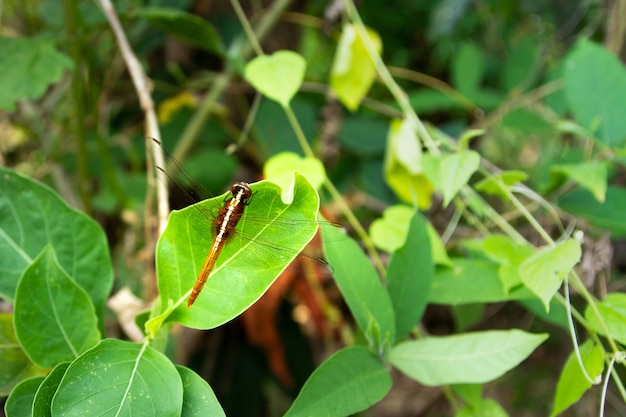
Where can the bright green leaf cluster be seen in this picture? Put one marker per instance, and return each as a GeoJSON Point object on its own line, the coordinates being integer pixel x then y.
{"type": "Point", "coordinates": [57, 321]}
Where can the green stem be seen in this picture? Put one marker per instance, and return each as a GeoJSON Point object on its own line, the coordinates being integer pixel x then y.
{"type": "Point", "coordinates": [337, 198]}
{"type": "Point", "coordinates": [396, 91]}
{"type": "Point", "coordinates": [73, 24]}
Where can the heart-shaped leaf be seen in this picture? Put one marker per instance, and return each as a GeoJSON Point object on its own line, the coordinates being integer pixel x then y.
{"type": "Point", "coordinates": [278, 76]}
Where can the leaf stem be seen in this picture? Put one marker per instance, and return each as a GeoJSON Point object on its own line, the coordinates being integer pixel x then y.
{"type": "Point", "coordinates": [336, 196]}
{"type": "Point", "coordinates": [73, 23]}
{"type": "Point", "coordinates": [396, 91]}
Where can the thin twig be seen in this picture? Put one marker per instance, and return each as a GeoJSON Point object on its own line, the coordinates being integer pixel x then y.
{"type": "Point", "coordinates": [143, 87]}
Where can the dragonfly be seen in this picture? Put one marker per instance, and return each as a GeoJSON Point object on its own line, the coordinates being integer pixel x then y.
{"type": "Point", "coordinates": [224, 218]}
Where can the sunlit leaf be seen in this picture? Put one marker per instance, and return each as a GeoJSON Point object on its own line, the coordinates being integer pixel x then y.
{"type": "Point", "coordinates": [543, 272]}
{"type": "Point", "coordinates": [277, 76]}
{"type": "Point", "coordinates": [55, 320]}
{"type": "Point", "coordinates": [494, 183]}
{"type": "Point", "coordinates": [353, 71]}
{"type": "Point", "coordinates": [348, 382]}
{"type": "Point", "coordinates": [469, 358]}
{"type": "Point", "coordinates": [403, 165]}
{"type": "Point", "coordinates": [572, 382]}
{"type": "Point", "coordinates": [455, 171]}
{"type": "Point", "coordinates": [389, 232]}
{"type": "Point", "coordinates": [119, 378]}
{"type": "Point", "coordinates": [280, 169]}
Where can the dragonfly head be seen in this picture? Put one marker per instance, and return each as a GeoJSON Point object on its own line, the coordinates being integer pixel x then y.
{"type": "Point", "coordinates": [242, 190]}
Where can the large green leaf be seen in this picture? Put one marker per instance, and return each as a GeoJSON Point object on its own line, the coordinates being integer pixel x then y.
{"type": "Point", "coordinates": [119, 378]}
{"type": "Point", "coordinates": [595, 86]}
{"type": "Point", "coordinates": [187, 27]}
{"type": "Point", "coordinates": [277, 76]}
{"type": "Point", "coordinates": [14, 363]}
{"type": "Point", "coordinates": [348, 382]}
{"type": "Point", "coordinates": [33, 216]}
{"type": "Point", "coordinates": [268, 237]}
{"type": "Point", "coordinates": [469, 358]}
{"type": "Point", "coordinates": [572, 382]}
{"type": "Point", "coordinates": [362, 289]}
{"type": "Point", "coordinates": [198, 397]}
{"type": "Point", "coordinates": [409, 275]}
{"type": "Point", "coordinates": [43, 397]}
{"type": "Point", "coordinates": [28, 67]}
{"type": "Point", "coordinates": [20, 402]}
{"type": "Point", "coordinates": [353, 71]}
{"type": "Point", "coordinates": [54, 319]}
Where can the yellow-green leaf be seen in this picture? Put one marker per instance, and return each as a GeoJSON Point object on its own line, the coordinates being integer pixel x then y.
{"type": "Point", "coordinates": [543, 272]}
{"type": "Point", "coordinates": [278, 76]}
{"type": "Point", "coordinates": [280, 168]}
{"type": "Point", "coordinates": [403, 166]}
{"type": "Point", "coordinates": [353, 71]}
{"type": "Point", "coordinates": [572, 383]}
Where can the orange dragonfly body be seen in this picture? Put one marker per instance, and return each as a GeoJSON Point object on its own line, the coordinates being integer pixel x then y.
{"type": "Point", "coordinates": [225, 223]}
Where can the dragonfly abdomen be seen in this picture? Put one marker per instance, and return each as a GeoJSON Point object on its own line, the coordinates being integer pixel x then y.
{"type": "Point", "coordinates": [226, 221]}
